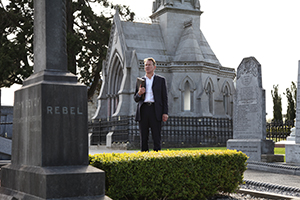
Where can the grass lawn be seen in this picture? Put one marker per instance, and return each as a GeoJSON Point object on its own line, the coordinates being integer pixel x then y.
{"type": "Point", "coordinates": [195, 148]}
{"type": "Point", "coordinates": [276, 150]}
{"type": "Point", "coordinates": [279, 151]}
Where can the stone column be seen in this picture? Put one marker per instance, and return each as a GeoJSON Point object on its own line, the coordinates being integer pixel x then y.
{"type": "Point", "coordinates": [50, 138]}
{"type": "Point", "coordinates": [292, 151]}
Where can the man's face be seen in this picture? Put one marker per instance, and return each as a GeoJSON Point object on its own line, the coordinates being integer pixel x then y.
{"type": "Point", "coordinates": [149, 67]}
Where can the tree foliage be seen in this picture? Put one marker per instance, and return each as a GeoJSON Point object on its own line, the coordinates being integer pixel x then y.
{"type": "Point", "coordinates": [277, 105]}
{"type": "Point", "coordinates": [87, 39]}
{"type": "Point", "coordinates": [291, 95]}
{"type": "Point", "coordinates": [16, 50]}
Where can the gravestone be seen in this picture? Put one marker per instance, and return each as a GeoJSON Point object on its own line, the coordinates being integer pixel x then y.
{"type": "Point", "coordinates": [292, 151]}
{"type": "Point", "coordinates": [292, 136]}
{"type": "Point", "coordinates": [50, 139]}
{"type": "Point", "coordinates": [249, 115]}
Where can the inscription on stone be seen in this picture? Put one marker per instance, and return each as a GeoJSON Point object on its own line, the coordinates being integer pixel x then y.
{"type": "Point", "coordinates": [247, 95]}
{"type": "Point", "coordinates": [248, 102]}
{"type": "Point", "coordinates": [246, 149]}
{"type": "Point", "coordinates": [57, 110]}
{"type": "Point", "coordinates": [27, 103]}
{"type": "Point", "coordinates": [249, 113]}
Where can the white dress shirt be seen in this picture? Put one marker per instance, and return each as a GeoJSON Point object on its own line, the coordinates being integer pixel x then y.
{"type": "Point", "coordinates": [149, 93]}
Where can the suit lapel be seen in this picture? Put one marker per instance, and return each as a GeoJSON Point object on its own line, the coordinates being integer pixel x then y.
{"type": "Point", "coordinates": [145, 80]}
{"type": "Point", "coordinates": [154, 80]}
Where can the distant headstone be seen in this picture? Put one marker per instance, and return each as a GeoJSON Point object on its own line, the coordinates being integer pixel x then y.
{"type": "Point", "coordinates": [249, 115]}
{"type": "Point", "coordinates": [292, 151]}
{"type": "Point", "coordinates": [50, 139]}
{"type": "Point", "coordinates": [292, 136]}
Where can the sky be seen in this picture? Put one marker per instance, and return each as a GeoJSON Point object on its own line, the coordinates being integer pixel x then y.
{"type": "Point", "coordinates": [269, 30]}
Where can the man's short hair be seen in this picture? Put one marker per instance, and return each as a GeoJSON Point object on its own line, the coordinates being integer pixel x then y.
{"type": "Point", "coordinates": [150, 58]}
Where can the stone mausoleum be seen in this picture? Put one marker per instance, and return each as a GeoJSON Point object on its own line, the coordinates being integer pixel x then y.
{"type": "Point", "coordinates": [198, 85]}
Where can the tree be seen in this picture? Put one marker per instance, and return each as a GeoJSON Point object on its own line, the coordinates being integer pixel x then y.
{"type": "Point", "coordinates": [87, 39]}
{"type": "Point", "coordinates": [16, 50]}
{"type": "Point", "coordinates": [277, 105]}
{"type": "Point", "coordinates": [291, 95]}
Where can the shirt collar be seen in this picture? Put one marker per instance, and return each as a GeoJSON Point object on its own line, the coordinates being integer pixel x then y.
{"type": "Point", "coordinates": [151, 77]}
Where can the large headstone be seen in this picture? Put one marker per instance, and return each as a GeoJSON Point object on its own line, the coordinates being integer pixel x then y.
{"type": "Point", "coordinates": [50, 139]}
{"type": "Point", "coordinates": [292, 151]}
{"type": "Point", "coordinates": [249, 115]}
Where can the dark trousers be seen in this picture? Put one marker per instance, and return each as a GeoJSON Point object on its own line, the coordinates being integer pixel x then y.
{"type": "Point", "coordinates": [148, 120]}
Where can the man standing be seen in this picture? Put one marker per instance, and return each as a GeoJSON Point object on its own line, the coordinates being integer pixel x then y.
{"type": "Point", "coordinates": [153, 109]}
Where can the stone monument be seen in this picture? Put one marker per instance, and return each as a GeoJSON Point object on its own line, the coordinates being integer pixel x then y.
{"type": "Point", "coordinates": [249, 113]}
{"type": "Point", "coordinates": [292, 151]}
{"type": "Point", "coordinates": [50, 139]}
{"type": "Point", "coordinates": [292, 136]}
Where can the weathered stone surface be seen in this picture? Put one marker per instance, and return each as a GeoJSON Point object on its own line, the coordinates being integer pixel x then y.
{"type": "Point", "coordinates": [54, 182]}
{"type": "Point", "coordinates": [50, 123]}
{"type": "Point", "coordinates": [50, 51]}
{"type": "Point", "coordinates": [253, 148]}
{"type": "Point", "coordinates": [249, 113]}
{"type": "Point", "coordinates": [292, 153]}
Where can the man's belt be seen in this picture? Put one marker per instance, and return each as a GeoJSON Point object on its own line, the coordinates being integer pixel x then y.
{"type": "Point", "coordinates": [149, 103]}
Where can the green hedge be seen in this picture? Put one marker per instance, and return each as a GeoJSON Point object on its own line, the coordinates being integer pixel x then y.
{"type": "Point", "coordinates": [194, 174]}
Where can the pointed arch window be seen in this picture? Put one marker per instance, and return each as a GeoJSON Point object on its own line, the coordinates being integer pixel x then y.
{"type": "Point", "coordinates": [187, 97]}
{"type": "Point", "coordinates": [115, 80]}
{"type": "Point", "coordinates": [187, 88]}
{"type": "Point", "coordinates": [209, 92]}
{"type": "Point", "coordinates": [226, 100]}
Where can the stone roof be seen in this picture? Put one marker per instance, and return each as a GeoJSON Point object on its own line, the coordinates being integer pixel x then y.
{"type": "Point", "coordinates": [146, 39]}
{"type": "Point", "coordinates": [188, 48]}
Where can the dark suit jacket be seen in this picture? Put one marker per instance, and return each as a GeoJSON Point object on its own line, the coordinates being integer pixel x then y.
{"type": "Point", "coordinates": [159, 89]}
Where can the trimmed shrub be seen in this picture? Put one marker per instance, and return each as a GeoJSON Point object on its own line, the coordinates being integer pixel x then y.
{"type": "Point", "coordinates": [196, 174]}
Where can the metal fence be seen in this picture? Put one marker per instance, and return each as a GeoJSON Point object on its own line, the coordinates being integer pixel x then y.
{"type": "Point", "coordinates": [176, 132]}
{"type": "Point", "coordinates": [6, 129]}
{"type": "Point", "coordinates": [279, 130]}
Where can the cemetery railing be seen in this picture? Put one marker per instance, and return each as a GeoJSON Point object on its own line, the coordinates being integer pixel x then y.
{"type": "Point", "coordinates": [176, 132]}
{"type": "Point", "coordinates": [6, 129]}
{"type": "Point", "coordinates": [278, 130]}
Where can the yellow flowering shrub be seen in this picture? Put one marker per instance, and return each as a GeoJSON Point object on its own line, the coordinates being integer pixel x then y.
{"type": "Point", "coordinates": [186, 174]}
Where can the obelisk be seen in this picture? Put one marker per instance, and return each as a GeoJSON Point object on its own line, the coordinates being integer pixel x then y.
{"type": "Point", "coordinates": [50, 139]}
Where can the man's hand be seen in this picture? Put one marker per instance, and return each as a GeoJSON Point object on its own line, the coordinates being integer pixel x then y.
{"type": "Point", "coordinates": [165, 117]}
{"type": "Point", "coordinates": [142, 90]}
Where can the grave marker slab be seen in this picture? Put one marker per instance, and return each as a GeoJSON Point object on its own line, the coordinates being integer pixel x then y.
{"type": "Point", "coordinates": [249, 115]}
